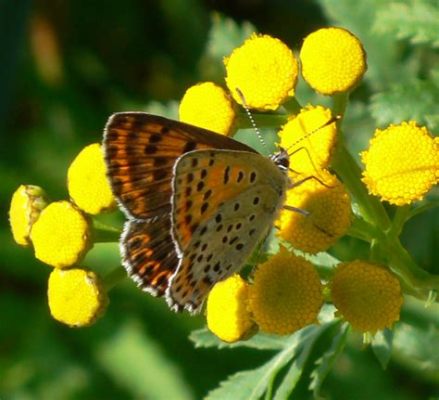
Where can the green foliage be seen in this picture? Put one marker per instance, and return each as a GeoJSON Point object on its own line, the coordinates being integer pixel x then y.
{"type": "Point", "coordinates": [205, 338]}
{"type": "Point", "coordinates": [327, 360]}
{"type": "Point", "coordinates": [416, 100]}
{"type": "Point", "coordinates": [382, 346]}
{"type": "Point", "coordinates": [125, 355]}
{"type": "Point", "coordinates": [417, 21]}
{"type": "Point", "coordinates": [255, 383]}
{"type": "Point", "coordinates": [135, 56]}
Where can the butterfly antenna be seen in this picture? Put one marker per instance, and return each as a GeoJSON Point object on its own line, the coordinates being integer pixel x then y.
{"type": "Point", "coordinates": [250, 117]}
{"type": "Point", "coordinates": [328, 122]}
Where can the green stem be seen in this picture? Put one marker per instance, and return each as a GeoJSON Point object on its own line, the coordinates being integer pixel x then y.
{"type": "Point", "coordinates": [349, 172]}
{"type": "Point", "coordinates": [403, 265]}
{"type": "Point", "coordinates": [114, 277]}
{"type": "Point", "coordinates": [401, 216]}
{"type": "Point", "coordinates": [423, 207]}
{"type": "Point", "coordinates": [362, 230]}
{"type": "Point", "coordinates": [103, 233]}
{"type": "Point", "coordinates": [292, 106]}
{"type": "Point", "coordinates": [340, 102]}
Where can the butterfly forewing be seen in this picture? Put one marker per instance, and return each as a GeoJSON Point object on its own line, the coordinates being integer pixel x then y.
{"type": "Point", "coordinates": [224, 203]}
{"type": "Point", "coordinates": [140, 151]}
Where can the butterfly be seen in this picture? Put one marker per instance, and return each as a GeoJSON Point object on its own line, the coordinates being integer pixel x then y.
{"type": "Point", "coordinates": [197, 203]}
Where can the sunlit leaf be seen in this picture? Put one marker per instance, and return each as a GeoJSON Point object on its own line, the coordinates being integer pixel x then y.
{"type": "Point", "coordinates": [261, 341]}
{"type": "Point", "coordinates": [382, 346]}
{"type": "Point", "coordinates": [325, 363]}
{"type": "Point", "coordinates": [136, 362]}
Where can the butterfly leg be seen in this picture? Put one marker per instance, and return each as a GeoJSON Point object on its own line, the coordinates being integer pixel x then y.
{"type": "Point", "coordinates": [299, 182]}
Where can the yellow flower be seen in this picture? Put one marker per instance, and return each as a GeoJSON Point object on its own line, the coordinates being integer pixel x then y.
{"type": "Point", "coordinates": [87, 181]}
{"type": "Point", "coordinates": [76, 296]}
{"type": "Point", "coordinates": [227, 313]}
{"type": "Point", "coordinates": [333, 60]}
{"type": "Point", "coordinates": [312, 147]}
{"type": "Point", "coordinates": [26, 205]}
{"type": "Point", "coordinates": [208, 106]}
{"type": "Point", "coordinates": [367, 295]}
{"type": "Point", "coordinates": [286, 294]}
{"type": "Point", "coordinates": [329, 217]}
{"type": "Point", "coordinates": [264, 69]}
{"type": "Point", "coordinates": [402, 163]}
{"type": "Point", "coordinates": [61, 235]}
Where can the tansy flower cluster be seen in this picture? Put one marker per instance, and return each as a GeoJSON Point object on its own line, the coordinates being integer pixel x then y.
{"type": "Point", "coordinates": [329, 196]}
{"type": "Point", "coordinates": [61, 233]}
{"type": "Point", "coordinates": [284, 295]}
{"type": "Point", "coordinates": [401, 166]}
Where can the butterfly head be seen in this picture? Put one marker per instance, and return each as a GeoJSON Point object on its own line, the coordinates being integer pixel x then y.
{"type": "Point", "coordinates": [281, 159]}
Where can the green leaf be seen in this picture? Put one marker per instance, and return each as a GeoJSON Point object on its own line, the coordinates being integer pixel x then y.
{"type": "Point", "coordinates": [168, 110]}
{"type": "Point", "coordinates": [417, 21]}
{"type": "Point", "coordinates": [248, 385]}
{"type": "Point", "coordinates": [417, 100]}
{"type": "Point", "coordinates": [295, 371]}
{"type": "Point", "coordinates": [325, 363]}
{"type": "Point", "coordinates": [135, 362]}
{"type": "Point", "coordinates": [225, 35]}
{"type": "Point", "coordinates": [416, 338]}
{"type": "Point", "coordinates": [382, 346]}
{"type": "Point", "coordinates": [262, 341]}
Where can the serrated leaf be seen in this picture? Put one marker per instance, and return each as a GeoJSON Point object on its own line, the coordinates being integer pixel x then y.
{"type": "Point", "coordinates": [382, 346]}
{"type": "Point", "coordinates": [417, 21]}
{"type": "Point", "coordinates": [251, 385]}
{"type": "Point", "coordinates": [262, 341]}
{"type": "Point", "coordinates": [224, 35]}
{"type": "Point", "coordinates": [291, 378]}
{"type": "Point", "coordinates": [416, 100]}
{"type": "Point", "coordinates": [295, 370]}
{"type": "Point", "coordinates": [325, 363]}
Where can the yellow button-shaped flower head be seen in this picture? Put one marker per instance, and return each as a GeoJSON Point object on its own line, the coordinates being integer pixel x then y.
{"type": "Point", "coordinates": [402, 163]}
{"type": "Point", "coordinates": [367, 295]}
{"type": "Point", "coordinates": [264, 69]}
{"type": "Point", "coordinates": [208, 106]}
{"type": "Point", "coordinates": [333, 60]}
{"type": "Point", "coordinates": [227, 313]}
{"type": "Point", "coordinates": [329, 214]}
{"type": "Point", "coordinates": [308, 140]}
{"type": "Point", "coordinates": [286, 294]}
{"type": "Point", "coordinates": [61, 235]}
{"type": "Point", "coordinates": [76, 296]}
{"type": "Point", "coordinates": [26, 205]}
{"type": "Point", "coordinates": [87, 181]}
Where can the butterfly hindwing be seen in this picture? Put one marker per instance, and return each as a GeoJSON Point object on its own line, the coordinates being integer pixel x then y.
{"type": "Point", "coordinates": [149, 254]}
{"type": "Point", "coordinates": [140, 152]}
{"type": "Point", "coordinates": [224, 203]}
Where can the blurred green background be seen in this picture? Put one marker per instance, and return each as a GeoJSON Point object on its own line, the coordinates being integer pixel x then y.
{"type": "Point", "coordinates": [65, 67]}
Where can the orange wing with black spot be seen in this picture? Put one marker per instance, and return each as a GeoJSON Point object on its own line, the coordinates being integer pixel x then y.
{"type": "Point", "coordinates": [224, 204]}
{"type": "Point", "coordinates": [140, 151]}
{"type": "Point", "coordinates": [148, 254]}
